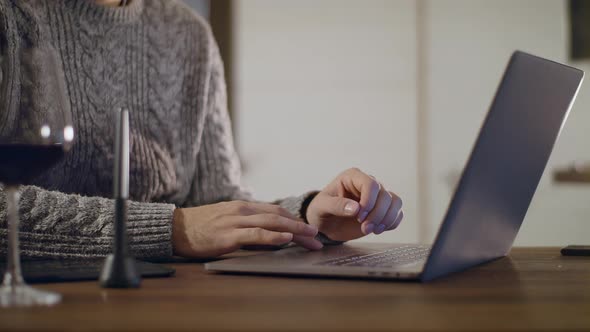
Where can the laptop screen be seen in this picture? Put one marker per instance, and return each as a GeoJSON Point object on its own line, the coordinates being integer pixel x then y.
{"type": "Point", "coordinates": [506, 164]}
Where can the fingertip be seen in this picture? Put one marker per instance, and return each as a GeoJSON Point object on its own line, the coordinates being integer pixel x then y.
{"type": "Point", "coordinates": [310, 230]}
{"type": "Point", "coordinates": [399, 218]}
{"type": "Point", "coordinates": [309, 243]}
{"type": "Point", "coordinates": [397, 221]}
{"type": "Point", "coordinates": [315, 231]}
{"type": "Point", "coordinates": [317, 245]}
{"type": "Point", "coordinates": [351, 208]}
{"type": "Point", "coordinates": [367, 228]}
{"type": "Point", "coordinates": [287, 237]}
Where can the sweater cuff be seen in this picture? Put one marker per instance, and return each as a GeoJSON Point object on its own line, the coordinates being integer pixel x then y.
{"type": "Point", "coordinates": [297, 206]}
{"type": "Point", "coordinates": [149, 228]}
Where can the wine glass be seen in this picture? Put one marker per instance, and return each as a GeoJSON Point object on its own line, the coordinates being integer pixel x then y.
{"type": "Point", "coordinates": [35, 133]}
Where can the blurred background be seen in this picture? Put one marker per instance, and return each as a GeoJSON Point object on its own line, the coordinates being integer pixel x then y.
{"type": "Point", "coordinates": [398, 89]}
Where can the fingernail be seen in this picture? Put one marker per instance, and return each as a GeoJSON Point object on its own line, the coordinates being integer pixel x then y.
{"type": "Point", "coordinates": [380, 229]}
{"type": "Point", "coordinates": [350, 208]}
{"type": "Point", "coordinates": [363, 215]}
{"type": "Point", "coordinates": [369, 228]}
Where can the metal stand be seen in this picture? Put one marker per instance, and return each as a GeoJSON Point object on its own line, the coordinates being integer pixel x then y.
{"type": "Point", "coordinates": [119, 270]}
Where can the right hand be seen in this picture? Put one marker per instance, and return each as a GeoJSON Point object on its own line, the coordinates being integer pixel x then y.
{"type": "Point", "coordinates": [217, 229]}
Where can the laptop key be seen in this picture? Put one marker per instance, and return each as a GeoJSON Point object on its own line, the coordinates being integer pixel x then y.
{"type": "Point", "coordinates": [388, 258]}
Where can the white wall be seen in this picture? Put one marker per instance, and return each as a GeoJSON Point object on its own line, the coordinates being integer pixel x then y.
{"type": "Point", "coordinates": [324, 85]}
{"type": "Point", "coordinates": [470, 42]}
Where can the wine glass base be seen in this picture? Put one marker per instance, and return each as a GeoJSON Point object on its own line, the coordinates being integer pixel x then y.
{"type": "Point", "coordinates": [26, 296]}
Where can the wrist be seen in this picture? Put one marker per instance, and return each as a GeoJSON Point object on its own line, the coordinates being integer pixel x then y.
{"type": "Point", "coordinates": [305, 205]}
{"type": "Point", "coordinates": [307, 214]}
{"type": "Point", "coordinates": [177, 215]}
{"type": "Point", "coordinates": [179, 238]}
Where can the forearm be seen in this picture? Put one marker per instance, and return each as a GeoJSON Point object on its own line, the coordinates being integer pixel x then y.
{"type": "Point", "coordinates": [58, 225]}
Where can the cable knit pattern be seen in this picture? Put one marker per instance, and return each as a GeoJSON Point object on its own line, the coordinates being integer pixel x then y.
{"type": "Point", "coordinates": [158, 59]}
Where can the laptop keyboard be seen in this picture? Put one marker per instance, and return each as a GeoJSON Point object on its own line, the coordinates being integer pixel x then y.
{"type": "Point", "coordinates": [389, 258]}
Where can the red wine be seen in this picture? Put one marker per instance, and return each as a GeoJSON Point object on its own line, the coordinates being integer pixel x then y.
{"type": "Point", "coordinates": [21, 163]}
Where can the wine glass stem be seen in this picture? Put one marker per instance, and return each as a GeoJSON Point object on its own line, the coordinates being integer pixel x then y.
{"type": "Point", "coordinates": [13, 275]}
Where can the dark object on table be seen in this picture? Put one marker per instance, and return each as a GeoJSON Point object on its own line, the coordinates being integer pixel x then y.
{"type": "Point", "coordinates": [576, 173]}
{"type": "Point", "coordinates": [579, 12]}
{"type": "Point", "coordinates": [576, 250]}
{"type": "Point", "coordinates": [44, 271]}
{"type": "Point", "coordinates": [119, 270]}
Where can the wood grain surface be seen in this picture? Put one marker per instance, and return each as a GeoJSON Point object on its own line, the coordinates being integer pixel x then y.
{"type": "Point", "coordinates": [532, 289]}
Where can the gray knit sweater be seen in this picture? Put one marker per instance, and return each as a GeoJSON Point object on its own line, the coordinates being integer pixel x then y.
{"type": "Point", "coordinates": [158, 59]}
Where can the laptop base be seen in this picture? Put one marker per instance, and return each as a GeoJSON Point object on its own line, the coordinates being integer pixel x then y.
{"type": "Point", "coordinates": [297, 261]}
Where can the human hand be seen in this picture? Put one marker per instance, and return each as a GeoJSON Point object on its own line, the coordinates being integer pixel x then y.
{"type": "Point", "coordinates": [354, 204]}
{"type": "Point", "coordinates": [217, 229]}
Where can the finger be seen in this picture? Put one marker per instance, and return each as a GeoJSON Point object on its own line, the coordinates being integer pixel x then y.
{"type": "Point", "coordinates": [388, 220]}
{"type": "Point", "coordinates": [396, 206]}
{"type": "Point", "coordinates": [276, 223]}
{"type": "Point", "coordinates": [367, 227]}
{"type": "Point", "coordinates": [259, 236]}
{"type": "Point", "coordinates": [397, 221]}
{"type": "Point", "coordinates": [336, 206]}
{"type": "Point", "coordinates": [369, 191]}
{"type": "Point", "coordinates": [270, 208]}
{"type": "Point", "coordinates": [384, 201]}
{"type": "Point", "coordinates": [308, 242]}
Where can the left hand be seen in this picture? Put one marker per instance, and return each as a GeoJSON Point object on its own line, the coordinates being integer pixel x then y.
{"type": "Point", "coordinates": [353, 205]}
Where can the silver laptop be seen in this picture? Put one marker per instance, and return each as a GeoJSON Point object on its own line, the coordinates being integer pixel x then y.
{"type": "Point", "coordinates": [490, 201]}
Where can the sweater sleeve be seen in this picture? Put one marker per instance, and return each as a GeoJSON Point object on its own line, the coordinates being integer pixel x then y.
{"type": "Point", "coordinates": [58, 225]}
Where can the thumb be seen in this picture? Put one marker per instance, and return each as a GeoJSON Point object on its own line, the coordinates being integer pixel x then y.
{"type": "Point", "coordinates": [336, 206]}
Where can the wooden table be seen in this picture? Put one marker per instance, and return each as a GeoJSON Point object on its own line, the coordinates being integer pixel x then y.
{"type": "Point", "coordinates": [533, 289]}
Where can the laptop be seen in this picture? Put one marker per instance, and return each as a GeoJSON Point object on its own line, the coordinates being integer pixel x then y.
{"type": "Point", "coordinates": [490, 201]}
